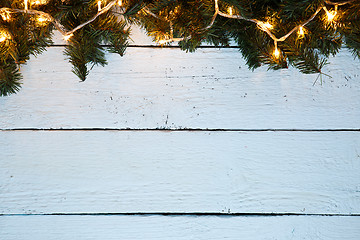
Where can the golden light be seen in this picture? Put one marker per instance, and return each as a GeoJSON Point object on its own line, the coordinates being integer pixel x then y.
{"type": "Point", "coordinates": [119, 3]}
{"type": "Point", "coordinates": [162, 42]}
{"type": "Point", "coordinates": [276, 51]}
{"type": "Point", "coordinates": [330, 15]}
{"type": "Point", "coordinates": [42, 19]}
{"type": "Point", "coordinates": [301, 31]}
{"type": "Point", "coordinates": [230, 11]}
{"type": "Point", "coordinates": [39, 2]}
{"type": "Point", "coordinates": [99, 5]}
{"type": "Point", "coordinates": [4, 36]}
{"type": "Point", "coordinates": [268, 25]}
{"type": "Point", "coordinates": [26, 4]}
{"type": "Point", "coordinates": [68, 36]}
{"type": "Point", "coordinates": [5, 15]}
{"type": "Point", "coordinates": [265, 25]}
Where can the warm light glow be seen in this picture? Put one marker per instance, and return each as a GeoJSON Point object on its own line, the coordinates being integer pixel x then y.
{"type": "Point", "coordinates": [68, 36]}
{"type": "Point", "coordinates": [38, 2]}
{"type": "Point", "coordinates": [99, 5]}
{"type": "Point", "coordinates": [330, 15]}
{"type": "Point", "coordinates": [265, 26]}
{"type": "Point", "coordinates": [230, 10]}
{"type": "Point", "coordinates": [268, 25]}
{"type": "Point", "coordinates": [276, 53]}
{"type": "Point", "coordinates": [301, 32]}
{"type": "Point", "coordinates": [5, 16]}
{"type": "Point", "coordinates": [41, 19]}
{"type": "Point", "coordinates": [4, 36]}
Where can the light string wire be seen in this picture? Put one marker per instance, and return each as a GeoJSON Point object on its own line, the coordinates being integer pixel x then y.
{"type": "Point", "coordinates": [262, 25]}
{"type": "Point", "coordinates": [57, 24]}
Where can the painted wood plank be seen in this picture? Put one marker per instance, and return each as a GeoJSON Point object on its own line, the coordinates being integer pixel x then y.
{"type": "Point", "coordinates": [168, 88]}
{"type": "Point", "coordinates": [129, 171]}
{"type": "Point", "coordinates": [166, 227]}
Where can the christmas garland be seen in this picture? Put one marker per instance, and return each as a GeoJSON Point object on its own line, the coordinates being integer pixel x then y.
{"type": "Point", "coordinates": [310, 31]}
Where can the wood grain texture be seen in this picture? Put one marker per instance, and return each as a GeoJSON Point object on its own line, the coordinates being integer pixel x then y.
{"type": "Point", "coordinates": [165, 227]}
{"type": "Point", "coordinates": [168, 88]}
{"type": "Point", "coordinates": [129, 171]}
{"type": "Point", "coordinates": [180, 172]}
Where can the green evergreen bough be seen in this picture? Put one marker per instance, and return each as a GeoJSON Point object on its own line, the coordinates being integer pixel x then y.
{"type": "Point", "coordinates": [302, 34]}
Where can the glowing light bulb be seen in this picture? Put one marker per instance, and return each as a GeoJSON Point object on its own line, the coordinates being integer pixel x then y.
{"type": "Point", "coordinates": [4, 36]}
{"type": "Point", "coordinates": [5, 16]}
{"type": "Point", "coordinates": [230, 10]}
{"type": "Point", "coordinates": [38, 2]}
{"type": "Point", "coordinates": [301, 32]}
{"type": "Point", "coordinates": [42, 19]}
{"type": "Point", "coordinates": [330, 15]}
{"type": "Point", "coordinates": [276, 53]}
{"type": "Point", "coordinates": [265, 26]}
{"type": "Point", "coordinates": [268, 25]}
{"type": "Point", "coordinates": [99, 5]}
{"type": "Point", "coordinates": [26, 4]}
{"type": "Point", "coordinates": [162, 42]}
{"type": "Point", "coordinates": [68, 36]}
{"type": "Point", "coordinates": [120, 3]}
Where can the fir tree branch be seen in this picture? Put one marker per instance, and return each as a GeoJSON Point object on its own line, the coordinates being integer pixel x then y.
{"type": "Point", "coordinates": [103, 10]}
{"type": "Point", "coordinates": [56, 23]}
{"type": "Point", "coordinates": [10, 78]}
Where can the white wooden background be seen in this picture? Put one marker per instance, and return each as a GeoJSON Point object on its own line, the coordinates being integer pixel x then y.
{"type": "Point", "coordinates": [163, 144]}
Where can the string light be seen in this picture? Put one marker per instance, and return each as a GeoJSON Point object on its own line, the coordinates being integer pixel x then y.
{"type": "Point", "coordinates": [42, 19]}
{"type": "Point", "coordinates": [276, 51]}
{"type": "Point", "coordinates": [301, 32]}
{"type": "Point", "coordinates": [4, 36]}
{"type": "Point", "coordinates": [265, 25]}
{"type": "Point", "coordinates": [5, 15]}
{"type": "Point", "coordinates": [268, 25]}
{"type": "Point", "coordinates": [39, 2]}
{"type": "Point", "coordinates": [99, 5]}
{"type": "Point", "coordinates": [67, 37]}
{"type": "Point", "coordinates": [230, 10]}
{"type": "Point", "coordinates": [330, 14]}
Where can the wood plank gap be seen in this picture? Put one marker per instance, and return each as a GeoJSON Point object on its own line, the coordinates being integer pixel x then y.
{"type": "Point", "coordinates": [183, 129]}
{"type": "Point", "coordinates": [152, 46]}
{"type": "Point", "coordinates": [187, 214]}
